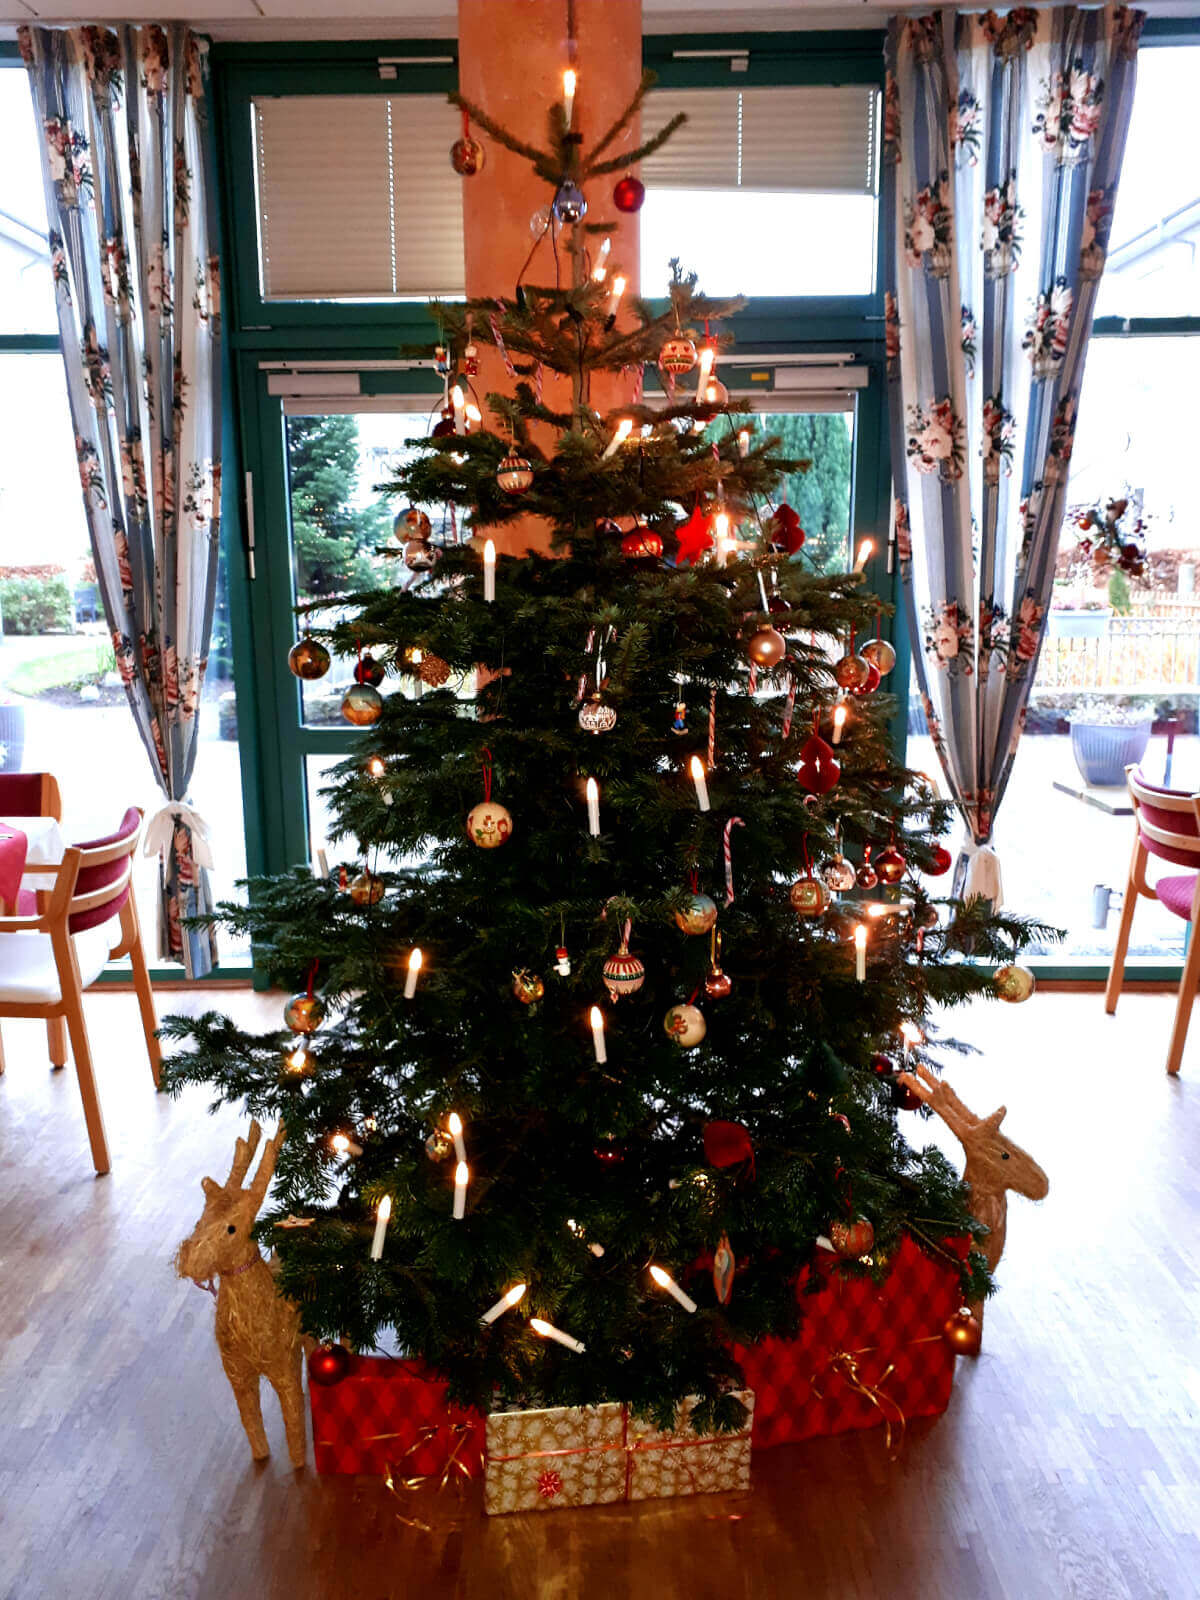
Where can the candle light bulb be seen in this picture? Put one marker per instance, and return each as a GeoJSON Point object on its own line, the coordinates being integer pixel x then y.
{"type": "Point", "coordinates": [744, 442]}
{"type": "Point", "coordinates": [593, 806]}
{"type": "Point", "coordinates": [345, 1146]}
{"type": "Point", "coordinates": [382, 1212]}
{"type": "Point", "coordinates": [570, 82]}
{"type": "Point", "coordinates": [298, 1060]}
{"type": "Point", "coordinates": [600, 270]}
{"type": "Point", "coordinates": [414, 969]}
{"type": "Point", "coordinates": [860, 953]}
{"type": "Point", "coordinates": [489, 570]}
{"type": "Point", "coordinates": [865, 550]}
{"type": "Point", "coordinates": [722, 537]}
{"type": "Point", "coordinates": [698, 778]}
{"type": "Point", "coordinates": [839, 722]}
{"type": "Point", "coordinates": [455, 1124]}
{"type": "Point", "coordinates": [375, 767]}
{"type": "Point", "coordinates": [545, 1331]}
{"type": "Point", "coordinates": [473, 412]}
{"type": "Point", "coordinates": [596, 1019]}
{"type": "Point", "coordinates": [462, 1176]}
{"type": "Point", "coordinates": [664, 1280]}
{"type": "Point", "coordinates": [622, 431]}
{"type": "Point", "coordinates": [506, 1302]}
{"type": "Point", "coordinates": [614, 299]}
{"type": "Point", "coordinates": [708, 355]}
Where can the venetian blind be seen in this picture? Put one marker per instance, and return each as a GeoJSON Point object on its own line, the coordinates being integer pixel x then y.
{"type": "Point", "coordinates": [815, 138]}
{"type": "Point", "coordinates": [356, 197]}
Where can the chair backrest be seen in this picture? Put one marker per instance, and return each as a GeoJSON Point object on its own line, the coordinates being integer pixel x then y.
{"type": "Point", "coordinates": [30, 794]}
{"type": "Point", "coordinates": [1168, 820]}
{"type": "Point", "coordinates": [105, 870]}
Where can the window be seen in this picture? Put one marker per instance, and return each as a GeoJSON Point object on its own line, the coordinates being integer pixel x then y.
{"type": "Point", "coordinates": [1153, 266]}
{"type": "Point", "coordinates": [26, 291]}
{"type": "Point", "coordinates": [356, 197]}
{"type": "Point", "coordinates": [765, 191]}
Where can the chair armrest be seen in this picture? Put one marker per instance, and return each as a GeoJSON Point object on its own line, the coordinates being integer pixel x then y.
{"type": "Point", "coordinates": [24, 924]}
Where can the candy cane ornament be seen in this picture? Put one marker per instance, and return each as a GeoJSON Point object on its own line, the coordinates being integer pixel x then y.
{"type": "Point", "coordinates": [734, 822]}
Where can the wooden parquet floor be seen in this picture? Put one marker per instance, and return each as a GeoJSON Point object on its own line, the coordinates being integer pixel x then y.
{"type": "Point", "coordinates": [1068, 1464]}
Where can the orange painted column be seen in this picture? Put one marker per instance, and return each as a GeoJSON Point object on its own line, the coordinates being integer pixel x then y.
{"type": "Point", "coordinates": [512, 55]}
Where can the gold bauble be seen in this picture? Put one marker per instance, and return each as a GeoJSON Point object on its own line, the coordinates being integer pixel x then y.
{"type": "Point", "coordinates": [362, 705]}
{"type": "Point", "coordinates": [367, 889]}
{"type": "Point", "coordinates": [963, 1333]}
{"type": "Point", "coordinates": [308, 659]}
{"type": "Point", "coordinates": [528, 987]}
{"type": "Point", "coordinates": [852, 1239]}
{"type": "Point", "coordinates": [1014, 984]}
{"type": "Point", "coordinates": [304, 1013]}
{"type": "Point", "coordinates": [809, 897]}
{"type": "Point", "coordinates": [767, 647]}
{"type": "Point", "coordinates": [698, 915]}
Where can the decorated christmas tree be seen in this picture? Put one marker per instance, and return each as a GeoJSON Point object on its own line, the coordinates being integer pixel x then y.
{"type": "Point", "coordinates": [596, 1021]}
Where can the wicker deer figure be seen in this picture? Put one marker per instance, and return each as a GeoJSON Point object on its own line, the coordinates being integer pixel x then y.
{"type": "Point", "coordinates": [994, 1164]}
{"type": "Point", "coordinates": [258, 1331]}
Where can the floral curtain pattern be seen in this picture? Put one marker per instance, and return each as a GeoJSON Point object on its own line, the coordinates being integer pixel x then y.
{"type": "Point", "coordinates": [133, 245]}
{"type": "Point", "coordinates": [1002, 146]}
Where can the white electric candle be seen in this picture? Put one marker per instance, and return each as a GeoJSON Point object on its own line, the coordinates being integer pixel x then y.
{"type": "Point", "coordinates": [570, 82]}
{"type": "Point", "coordinates": [505, 1303]}
{"type": "Point", "coordinates": [622, 431]}
{"type": "Point", "coordinates": [297, 1061]}
{"type": "Point", "coordinates": [559, 1337]}
{"type": "Point", "coordinates": [455, 1124]}
{"type": "Point", "coordinates": [664, 1280]}
{"type": "Point", "coordinates": [596, 1018]}
{"type": "Point", "coordinates": [462, 1176]}
{"type": "Point", "coordinates": [473, 413]}
{"type": "Point", "coordinates": [701, 783]}
{"type": "Point", "coordinates": [345, 1146]}
{"type": "Point", "coordinates": [382, 1213]}
{"type": "Point", "coordinates": [414, 968]}
{"type": "Point", "coordinates": [614, 299]}
{"type": "Point", "coordinates": [600, 270]}
{"type": "Point", "coordinates": [593, 805]}
{"type": "Point", "coordinates": [864, 554]}
{"type": "Point", "coordinates": [744, 443]}
{"type": "Point", "coordinates": [860, 952]}
{"type": "Point", "coordinates": [489, 571]}
{"type": "Point", "coordinates": [911, 1035]}
{"type": "Point", "coordinates": [839, 722]}
{"type": "Point", "coordinates": [459, 401]}
{"type": "Point", "coordinates": [708, 355]}
{"type": "Point", "coordinates": [721, 537]}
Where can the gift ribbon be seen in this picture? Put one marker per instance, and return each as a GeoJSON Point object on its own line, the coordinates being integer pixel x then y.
{"type": "Point", "coordinates": [845, 1363]}
{"type": "Point", "coordinates": [162, 825]}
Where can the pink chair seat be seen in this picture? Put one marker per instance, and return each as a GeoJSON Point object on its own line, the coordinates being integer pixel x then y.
{"type": "Point", "coordinates": [27, 903]}
{"type": "Point", "coordinates": [1177, 893]}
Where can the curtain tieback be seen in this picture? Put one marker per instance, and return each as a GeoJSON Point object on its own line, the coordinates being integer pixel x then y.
{"type": "Point", "coordinates": [162, 825]}
{"type": "Point", "coordinates": [977, 872]}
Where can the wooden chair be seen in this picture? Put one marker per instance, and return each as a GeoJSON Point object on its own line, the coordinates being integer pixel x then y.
{"type": "Point", "coordinates": [48, 960]}
{"type": "Point", "coordinates": [1168, 826]}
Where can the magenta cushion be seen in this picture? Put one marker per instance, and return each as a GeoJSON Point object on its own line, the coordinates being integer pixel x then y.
{"type": "Point", "coordinates": [96, 877]}
{"type": "Point", "coordinates": [20, 794]}
{"type": "Point", "coordinates": [27, 899]}
{"type": "Point", "coordinates": [1176, 894]}
{"type": "Point", "coordinates": [1183, 822]}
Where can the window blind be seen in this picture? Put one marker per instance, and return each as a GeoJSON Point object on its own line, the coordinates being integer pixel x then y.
{"type": "Point", "coordinates": [356, 197]}
{"type": "Point", "coordinates": [816, 138]}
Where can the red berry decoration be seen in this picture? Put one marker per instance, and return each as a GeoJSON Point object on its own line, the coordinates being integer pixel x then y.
{"type": "Point", "coordinates": [629, 194]}
{"type": "Point", "coordinates": [328, 1364]}
{"type": "Point", "coordinates": [890, 865]}
{"type": "Point", "coordinates": [942, 861]}
{"type": "Point", "coordinates": [819, 768]}
{"type": "Point", "coordinates": [642, 544]}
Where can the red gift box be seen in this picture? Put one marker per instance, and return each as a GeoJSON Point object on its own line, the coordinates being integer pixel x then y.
{"type": "Point", "coordinates": [866, 1354]}
{"type": "Point", "coordinates": [393, 1414]}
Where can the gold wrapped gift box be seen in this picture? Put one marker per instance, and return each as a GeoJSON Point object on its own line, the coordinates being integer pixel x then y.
{"type": "Point", "coordinates": [598, 1455]}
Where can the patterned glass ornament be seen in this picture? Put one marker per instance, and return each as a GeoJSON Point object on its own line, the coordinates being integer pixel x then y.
{"type": "Point", "coordinates": [838, 875]}
{"type": "Point", "coordinates": [678, 355]}
{"type": "Point", "coordinates": [362, 705]}
{"type": "Point", "coordinates": [489, 825]}
{"type": "Point", "coordinates": [514, 474]}
{"type": "Point", "coordinates": [686, 1025]}
{"type": "Point", "coordinates": [852, 1239]}
{"type": "Point", "coordinates": [438, 1145]}
{"type": "Point", "coordinates": [623, 973]}
{"type": "Point", "coordinates": [1014, 984]}
{"type": "Point", "coordinates": [698, 914]}
{"type": "Point", "coordinates": [809, 897]}
{"type": "Point", "coordinates": [596, 717]}
{"type": "Point", "coordinates": [467, 157]}
{"type": "Point", "coordinates": [890, 865]}
{"type": "Point", "coordinates": [527, 987]}
{"type": "Point", "coordinates": [304, 1013]}
{"type": "Point", "coordinates": [851, 672]}
{"type": "Point", "coordinates": [419, 555]}
{"type": "Point", "coordinates": [367, 889]}
{"type": "Point", "coordinates": [308, 659]}
{"type": "Point", "coordinates": [881, 655]}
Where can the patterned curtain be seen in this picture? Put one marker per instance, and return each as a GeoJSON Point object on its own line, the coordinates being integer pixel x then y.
{"type": "Point", "coordinates": [127, 164]}
{"type": "Point", "coordinates": [1003, 138]}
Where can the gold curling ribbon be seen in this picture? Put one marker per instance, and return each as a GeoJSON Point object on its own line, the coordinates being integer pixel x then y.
{"type": "Point", "coordinates": [460, 1433]}
{"type": "Point", "coordinates": [845, 1364]}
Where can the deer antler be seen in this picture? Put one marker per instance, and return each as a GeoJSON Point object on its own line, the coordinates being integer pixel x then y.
{"type": "Point", "coordinates": [940, 1097]}
{"type": "Point", "coordinates": [266, 1168]}
{"type": "Point", "coordinates": [243, 1155]}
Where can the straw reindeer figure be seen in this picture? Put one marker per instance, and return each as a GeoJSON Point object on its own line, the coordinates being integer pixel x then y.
{"type": "Point", "coordinates": [258, 1331]}
{"type": "Point", "coordinates": [994, 1164]}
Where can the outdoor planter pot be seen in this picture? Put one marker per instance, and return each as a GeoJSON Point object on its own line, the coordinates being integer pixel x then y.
{"type": "Point", "coordinates": [1080, 624]}
{"type": "Point", "coordinates": [1102, 751]}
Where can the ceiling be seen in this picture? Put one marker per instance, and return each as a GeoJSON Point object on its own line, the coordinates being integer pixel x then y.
{"type": "Point", "coordinates": [417, 19]}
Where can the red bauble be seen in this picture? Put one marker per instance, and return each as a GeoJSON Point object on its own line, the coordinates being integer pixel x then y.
{"type": "Point", "coordinates": [785, 530]}
{"type": "Point", "coordinates": [819, 768]}
{"type": "Point", "coordinates": [904, 1098]}
{"type": "Point", "coordinates": [872, 681]}
{"type": "Point", "coordinates": [942, 861]}
{"type": "Point", "coordinates": [328, 1364]}
{"type": "Point", "coordinates": [369, 671]}
{"type": "Point", "coordinates": [883, 1065]}
{"type": "Point", "coordinates": [852, 1239]}
{"type": "Point", "coordinates": [726, 1144]}
{"type": "Point", "coordinates": [629, 194]}
{"type": "Point", "coordinates": [642, 544]}
{"type": "Point", "coordinates": [890, 865]}
{"type": "Point", "coordinates": [608, 1152]}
